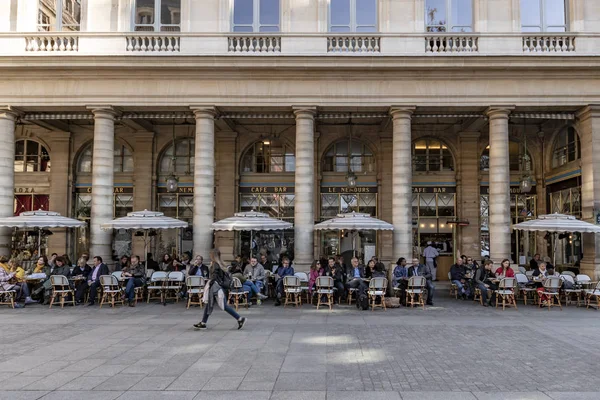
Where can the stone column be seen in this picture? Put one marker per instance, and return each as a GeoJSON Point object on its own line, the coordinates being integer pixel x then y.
{"type": "Point", "coordinates": [204, 179]}
{"type": "Point", "coordinates": [402, 181]}
{"type": "Point", "coordinates": [102, 182]}
{"type": "Point", "coordinates": [226, 189]}
{"type": "Point", "coordinates": [304, 217]}
{"type": "Point", "coordinates": [589, 130]}
{"type": "Point", "coordinates": [469, 194]}
{"type": "Point", "coordinates": [59, 187]}
{"type": "Point", "coordinates": [499, 181]}
{"type": "Point", "coordinates": [143, 157]}
{"type": "Point", "coordinates": [8, 116]}
{"type": "Point", "coordinates": [385, 197]}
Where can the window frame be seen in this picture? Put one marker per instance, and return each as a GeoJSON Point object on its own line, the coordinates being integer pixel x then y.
{"type": "Point", "coordinates": [576, 143]}
{"type": "Point", "coordinates": [61, 7]}
{"type": "Point", "coordinates": [39, 157]}
{"type": "Point", "coordinates": [544, 26]}
{"type": "Point", "coordinates": [448, 25]}
{"type": "Point", "coordinates": [268, 155]}
{"type": "Point", "coordinates": [157, 25]}
{"type": "Point", "coordinates": [90, 148]}
{"type": "Point", "coordinates": [256, 25]}
{"type": "Point", "coordinates": [353, 25]}
{"type": "Point", "coordinates": [189, 158]}
{"type": "Point", "coordinates": [368, 162]}
{"type": "Point", "coordinates": [429, 156]}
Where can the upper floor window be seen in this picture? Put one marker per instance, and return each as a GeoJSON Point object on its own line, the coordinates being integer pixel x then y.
{"type": "Point", "coordinates": [158, 15]}
{"type": "Point", "coordinates": [269, 156]}
{"type": "Point", "coordinates": [543, 16]}
{"type": "Point", "coordinates": [256, 16]}
{"type": "Point", "coordinates": [566, 147]}
{"type": "Point", "coordinates": [449, 15]}
{"type": "Point", "coordinates": [30, 156]}
{"type": "Point", "coordinates": [430, 155]}
{"type": "Point", "coordinates": [59, 15]}
{"type": "Point", "coordinates": [179, 159]}
{"type": "Point", "coordinates": [354, 156]}
{"type": "Point", "coordinates": [353, 15]}
{"type": "Point", "coordinates": [515, 157]}
{"type": "Point", "coordinates": [123, 161]}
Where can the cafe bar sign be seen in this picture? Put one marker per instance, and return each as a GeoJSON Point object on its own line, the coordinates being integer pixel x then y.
{"type": "Point", "coordinates": [180, 190]}
{"type": "Point", "coordinates": [434, 189]}
{"type": "Point", "coordinates": [116, 189]}
{"type": "Point", "coordinates": [267, 189]}
{"type": "Point", "coordinates": [513, 190]}
{"type": "Point", "coordinates": [349, 190]}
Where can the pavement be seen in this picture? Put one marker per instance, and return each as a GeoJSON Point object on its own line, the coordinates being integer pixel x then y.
{"type": "Point", "coordinates": [453, 350]}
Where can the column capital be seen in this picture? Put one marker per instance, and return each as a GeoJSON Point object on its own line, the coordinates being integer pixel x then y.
{"type": "Point", "coordinates": [10, 112]}
{"type": "Point", "coordinates": [402, 111]}
{"type": "Point", "coordinates": [104, 111]}
{"type": "Point", "coordinates": [499, 111]}
{"type": "Point", "coordinates": [204, 111]}
{"type": "Point", "coordinates": [304, 111]}
{"type": "Point", "coordinates": [591, 110]}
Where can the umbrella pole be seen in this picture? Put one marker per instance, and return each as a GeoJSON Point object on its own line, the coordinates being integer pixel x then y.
{"type": "Point", "coordinates": [251, 241]}
{"type": "Point", "coordinates": [39, 242]}
{"type": "Point", "coordinates": [145, 251]}
{"type": "Point", "coordinates": [554, 252]}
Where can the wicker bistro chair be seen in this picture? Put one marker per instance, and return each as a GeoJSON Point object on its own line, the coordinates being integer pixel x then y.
{"type": "Point", "coordinates": [524, 290]}
{"type": "Point", "coordinates": [119, 276]}
{"type": "Point", "coordinates": [293, 290]}
{"type": "Point", "coordinates": [592, 293]}
{"type": "Point", "coordinates": [506, 293]}
{"type": "Point", "coordinates": [351, 291]}
{"type": "Point", "coordinates": [377, 289]}
{"type": "Point", "coordinates": [584, 280]}
{"type": "Point", "coordinates": [237, 294]}
{"type": "Point", "coordinates": [570, 273]}
{"type": "Point", "coordinates": [415, 293]}
{"type": "Point", "coordinates": [173, 285]}
{"type": "Point", "coordinates": [529, 274]}
{"type": "Point", "coordinates": [552, 286]}
{"type": "Point", "coordinates": [195, 289]}
{"type": "Point", "coordinates": [8, 297]}
{"type": "Point", "coordinates": [61, 289]}
{"type": "Point", "coordinates": [156, 285]}
{"type": "Point", "coordinates": [112, 291]}
{"type": "Point", "coordinates": [453, 287]}
{"type": "Point", "coordinates": [569, 293]}
{"type": "Point", "coordinates": [304, 285]}
{"type": "Point", "coordinates": [325, 288]}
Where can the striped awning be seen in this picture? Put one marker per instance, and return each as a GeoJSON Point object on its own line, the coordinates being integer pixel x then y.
{"type": "Point", "coordinates": [557, 223]}
{"type": "Point", "coordinates": [354, 221]}
{"type": "Point", "coordinates": [40, 219]}
{"type": "Point", "coordinates": [250, 221]}
{"type": "Point", "coordinates": [144, 220]}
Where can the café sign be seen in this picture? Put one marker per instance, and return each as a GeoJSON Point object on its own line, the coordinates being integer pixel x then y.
{"type": "Point", "coordinates": [116, 189]}
{"type": "Point", "coordinates": [434, 189]}
{"type": "Point", "coordinates": [267, 189]}
{"type": "Point", "coordinates": [513, 190]}
{"type": "Point", "coordinates": [349, 190]}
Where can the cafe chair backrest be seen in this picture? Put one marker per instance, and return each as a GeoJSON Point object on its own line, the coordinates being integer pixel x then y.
{"type": "Point", "coordinates": [302, 276]}
{"type": "Point", "coordinates": [522, 269]}
{"type": "Point", "coordinates": [570, 273]}
{"type": "Point", "coordinates": [236, 283]}
{"type": "Point", "coordinates": [567, 278]}
{"type": "Point", "coordinates": [291, 281]}
{"type": "Point", "coordinates": [378, 283]}
{"type": "Point", "coordinates": [553, 283]}
{"type": "Point", "coordinates": [59, 280]}
{"type": "Point", "coordinates": [158, 276]}
{"type": "Point", "coordinates": [582, 278]}
{"type": "Point", "coordinates": [529, 274]}
{"type": "Point", "coordinates": [117, 274]}
{"type": "Point", "coordinates": [109, 280]}
{"type": "Point", "coordinates": [176, 276]}
{"type": "Point", "coordinates": [416, 281]}
{"type": "Point", "coordinates": [507, 283]}
{"type": "Point", "coordinates": [324, 281]}
{"type": "Point", "coordinates": [194, 281]}
{"type": "Point", "coordinates": [521, 278]}
{"type": "Point", "coordinates": [149, 273]}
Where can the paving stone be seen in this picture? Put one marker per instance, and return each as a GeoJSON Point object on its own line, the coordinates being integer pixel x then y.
{"type": "Point", "coordinates": [23, 395]}
{"type": "Point", "coordinates": [233, 395]}
{"type": "Point", "coordinates": [512, 396]}
{"type": "Point", "coordinates": [298, 395]}
{"type": "Point", "coordinates": [77, 395]}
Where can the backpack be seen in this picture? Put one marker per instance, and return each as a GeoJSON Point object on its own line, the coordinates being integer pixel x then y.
{"type": "Point", "coordinates": [362, 302]}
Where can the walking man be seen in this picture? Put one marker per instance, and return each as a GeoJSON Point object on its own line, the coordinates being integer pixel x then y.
{"type": "Point", "coordinates": [431, 253]}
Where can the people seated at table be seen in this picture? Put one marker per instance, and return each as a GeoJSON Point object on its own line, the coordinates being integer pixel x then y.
{"type": "Point", "coordinates": [339, 291]}
{"type": "Point", "coordinates": [313, 274]}
{"type": "Point", "coordinates": [4, 264]}
{"type": "Point", "coordinates": [552, 271]}
{"type": "Point", "coordinates": [264, 261]}
{"type": "Point", "coordinates": [9, 281]}
{"type": "Point", "coordinates": [458, 276]}
{"type": "Point", "coordinates": [257, 272]}
{"type": "Point", "coordinates": [356, 276]}
{"type": "Point", "coordinates": [60, 268]}
{"type": "Point", "coordinates": [198, 268]}
{"type": "Point", "coordinates": [418, 269]}
{"type": "Point", "coordinates": [166, 263]}
{"type": "Point", "coordinates": [136, 277]}
{"type": "Point", "coordinates": [41, 265]}
{"type": "Point", "coordinates": [14, 266]}
{"type": "Point", "coordinates": [533, 263]}
{"type": "Point", "coordinates": [539, 277]}
{"type": "Point", "coordinates": [484, 279]}
{"type": "Point", "coordinates": [52, 259]}
{"type": "Point", "coordinates": [285, 269]}
{"type": "Point", "coordinates": [123, 263]}
{"type": "Point", "coordinates": [505, 271]}
{"type": "Point", "coordinates": [548, 262]}
{"type": "Point", "coordinates": [94, 278]}
{"type": "Point", "coordinates": [379, 270]}
{"type": "Point", "coordinates": [400, 278]}
{"type": "Point", "coordinates": [247, 284]}
{"type": "Point", "coordinates": [185, 262]}
{"type": "Point", "coordinates": [370, 268]}
{"type": "Point", "coordinates": [80, 285]}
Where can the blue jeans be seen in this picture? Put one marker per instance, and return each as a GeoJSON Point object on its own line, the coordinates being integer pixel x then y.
{"type": "Point", "coordinates": [260, 285]}
{"type": "Point", "coordinates": [462, 288]}
{"type": "Point", "coordinates": [251, 288]}
{"type": "Point", "coordinates": [130, 288]}
{"type": "Point", "coordinates": [227, 309]}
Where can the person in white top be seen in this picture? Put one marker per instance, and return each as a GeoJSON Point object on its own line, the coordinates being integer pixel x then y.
{"type": "Point", "coordinates": [430, 253]}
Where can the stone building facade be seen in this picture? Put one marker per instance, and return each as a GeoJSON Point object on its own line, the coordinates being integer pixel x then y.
{"type": "Point", "coordinates": [440, 109]}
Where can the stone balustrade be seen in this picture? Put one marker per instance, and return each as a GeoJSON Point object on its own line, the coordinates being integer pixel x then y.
{"type": "Point", "coordinates": [451, 44]}
{"type": "Point", "coordinates": [254, 44]}
{"type": "Point", "coordinates": [152, 43]}
{"type": "Point", "coordinates": [51, 43]}
{"type": "Point", "coordinates": [548, 44]}
{"type": "Point", "coordinates": [353, 44]}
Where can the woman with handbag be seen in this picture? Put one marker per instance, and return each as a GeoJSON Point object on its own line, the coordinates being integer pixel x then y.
{"type": "Point", "coordinates": [216, 291]}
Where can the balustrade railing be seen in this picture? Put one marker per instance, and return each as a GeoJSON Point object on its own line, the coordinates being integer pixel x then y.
{"type": "Point", "coordinates": [548, 44]}
{"type": "Point", "coordinates": [353, 44]}
{"type": "Point", "coordinates": [451, 44]}
{"type": "Point", "coordinates": [51, 43]}
{"type": "Point", "coordinates": [143, 43]}
{"type": "Point", "coordinates": [254, 44]}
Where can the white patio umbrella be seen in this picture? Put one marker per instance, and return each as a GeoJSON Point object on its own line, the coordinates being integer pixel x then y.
{"type": "Point", "coordinates": [39, 220]}
{"type": "Point", "coordinates": [354, 221]}
{"type": "Point", "coordinates": [144, 220]}
{"type": "Point", "coordinates": [556, 223]}
{"type": "Point", "coordinates": [251, 221]}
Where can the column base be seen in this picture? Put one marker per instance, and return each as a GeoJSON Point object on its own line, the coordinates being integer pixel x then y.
{"type": "Point", "coordinates": [590, 269]}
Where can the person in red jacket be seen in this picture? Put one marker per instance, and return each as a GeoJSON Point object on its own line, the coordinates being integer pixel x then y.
{"type": "Point", "coordinates": [505, 271]}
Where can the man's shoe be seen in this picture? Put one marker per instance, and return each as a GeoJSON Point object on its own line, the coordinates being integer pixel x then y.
{"type": "Point", "coordinates": [201, 326]}
{"type": "Point", "coordinates": [29, 300]}
{"type": "Point", "coordinates": [91, 303]}
{"type": "Point", "coordinates": [277, 303]}
{"type": "Point", "coordinates": [18, 305]}
{"type": "Point", "coordinates": [429, 303]}
{"type": "Point", "coordinates": [262, 296]}
{"type": "Point", "coordinates": [241, 323]}
{"type": "Point", "coordinates": [131, 304]}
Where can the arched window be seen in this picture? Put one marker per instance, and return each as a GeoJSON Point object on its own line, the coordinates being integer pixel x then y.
{"type": "Point", "coordinates": [123, 159]}
{"type": "Point", "coordinates": [515, 152]}
{"type": "Point", "coordinates": [566, 148]}
{"type": "Point", "coordinates": [543, 16]}
{"type": "Point", "coordinates": [269, 156]}
{"type": "Point", "coordinates": [358, 156]}
{"type": "Point", "coordinates": [180, 159]}
{"type": "Point", "coordinates": [431, 155]}
{"type": "Point", "coordinates": [30, 156]}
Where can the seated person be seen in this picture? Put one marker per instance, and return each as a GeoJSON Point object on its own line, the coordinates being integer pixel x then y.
{"type": "Point", "coordinates": [285, 269]}
{"type": "Point", "coordinates": [505, 271]}
{"type": "Point", "coordinates": [247, 284]}
{"type": "Point", "coordinates": [94, 278]}
{"type": "Point", "coordinates": [257, 272]}
{"type": "Point", "coordinates": [457, 276]}
{"type": "Point", "coordinates": [13, 266]}
{"type": "Point", "coordinates": [533, 263]}
{"type": "Point", "coordinates": [483, 279]}
{"type": "Point", "coordinates": [9, 281]}
{"type": "Point", "coordinates": [356, 274]}
{"type": "Point", "coordinates": [4, 264]}
{"type": "Point", "coordinates": [60, 268]}
{"type": "Point", "coordinates": [379, 270]}
{"type": "Point", "coordinates": [198, 268]}
{"type": "Point", "coordinates": [339, 291]}
{"type": "Point", "coordinates": [539, 277]}
{"type": "Point", "coordinates": [400, 278]}
{"type": "Point", "coordinates": [418, 269]}
{"type": "Point", "coordinates": [313, 274]}
{"type": "Point", "coordinates": [136, 278]}
{"type": "Point", "coordinates": [83, 270]}
{"type": "Point", "coordinates": [370, 269]}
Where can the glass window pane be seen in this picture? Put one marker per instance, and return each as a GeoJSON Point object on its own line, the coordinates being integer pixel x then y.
{"type": "Point", "coordinates": [462, 15]}
{"type": "Point", "coordinates": [243, 12]}
{"type": "Point", "coordinates": [531, 13]}
{"type": "Point", "coordinates": [435, 12]}
{"type": "Point", "coordinates": [366, 12]}
{"type": "Point", "coordinates": [71, 15]}
{"type": "Point", "coordinates": [128, 164]}
{"type": "Point", "coordinates": [340, 12]}
{"type": "Point", "coordinates": [47, 13]}
{"type": "Point", "coordinates": [144, 12]}
{"type": "Point", "coordinates": [32, 148]}
{"type": "Point", "coordinates": [269, 12]}
{"type": "Point", "coordinates": [239, 28]}
{"type": "Point", "coordinates": [427, 205]}
{"type": "Point", "coordinates": [446, 205]}
{"type": "Point", "coordinates": [420, 156]}
{"type": "Point", "coordinates": [20, 148]}
{"type": "Point", "coordinates": [349, 203]}
{"type": "Point", "coordinates": [554, 11]}
{"type": "Point", "coordinates": [290, 163]}
{"type": "Point", "coordinates": [170, 12]}
{"type": "Point", "coordinates": [269, 29]}
{"type": "Point", "coordinates": [338, 29]}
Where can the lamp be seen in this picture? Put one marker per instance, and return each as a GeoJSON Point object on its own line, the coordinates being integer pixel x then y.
{"type": "Point", "coordinates": [350, 176]}
{"type": "Point", "coordinates": [172, 180]}
{"type": "Point", "coordinates": [526, 182]}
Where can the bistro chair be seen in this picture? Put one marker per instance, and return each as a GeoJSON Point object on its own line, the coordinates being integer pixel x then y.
{"type": "Point", "coordinates": [351, 291]}
{"type": "Point", "coordinates": [506, 293]}
{"type": "Point", "coordinates": [62, 289]}
{"type": "Point", "coordinates": [522, 269]}
{"type": "Point", "coordinates": [584, 280]}
{"type": "Point", "coordinates": [529, 274]}
{"type": "Point", "coordinates": [269, 286]}
{"type": "Point", "coordinates": [377, 289]}
{"type": "Point", "coordinates": [415, 293]}
{"type": "Point", "coordinates": [112, 291]}
{"type": "Point", "coordinates": [237, 294]}
{"type": "Point", "coordinates": [592, 293]}
{"type": "Point", "coordinates": [292, 290]}
{"type": "Point", "coordinates": [149, 273]}
{"type": "Point", "coordinates": [155, 287]}
{"type": "Point", "coordinates": [453, 287]}
{"type": "Point", "coordinates": [552, 286]}
{"type": "Point", "coordinates": [324, 288]}
{"type": "Point", "coordinates": [195, 289]}
{"type": "Point", "coordinates": [570, 273]}
{"type": "Point", "coordinates": [304, 285]}
{"type": "Point", "coordinates": [8, 297]}
{"type": "Point", "coordinates": [569, 293]}
{"type": "Point", "coordinates": [173, 285]}
{"type": "Point", "coordinates": [524, 289]}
